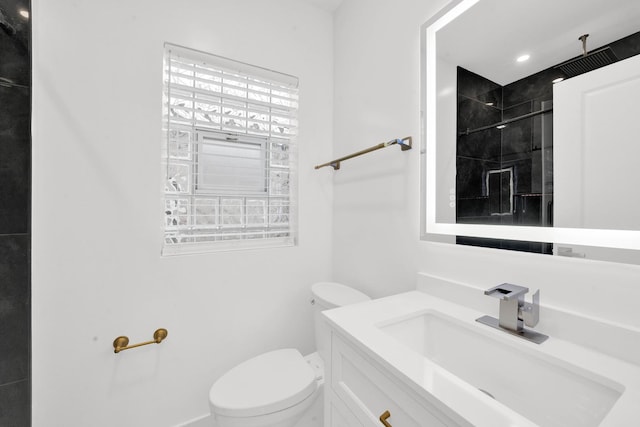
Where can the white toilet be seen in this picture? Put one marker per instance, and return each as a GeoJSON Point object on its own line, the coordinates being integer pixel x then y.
{"type": "Point", "coordinates": [277, 389]}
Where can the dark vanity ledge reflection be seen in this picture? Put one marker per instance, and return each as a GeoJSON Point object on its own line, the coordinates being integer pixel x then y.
{"type": "Point", "coordinates": [513, 245]}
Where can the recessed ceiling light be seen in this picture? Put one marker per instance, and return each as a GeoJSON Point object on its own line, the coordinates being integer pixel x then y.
{"type": "Point", "coordinates": [558, 80]}
{"type": "Point", "coordinates": [523, 58]}
{"type": "Point", "coordinates": [24, 13]}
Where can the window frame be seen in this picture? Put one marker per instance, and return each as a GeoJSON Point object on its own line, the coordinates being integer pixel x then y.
{"type": "Point", "coordinates": [193, 212]}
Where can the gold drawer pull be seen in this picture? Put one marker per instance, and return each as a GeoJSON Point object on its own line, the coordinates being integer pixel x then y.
{"type": "Point", "coordinates": [383, 419]}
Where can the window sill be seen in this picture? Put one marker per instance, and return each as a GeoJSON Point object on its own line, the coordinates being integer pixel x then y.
{"type": "Point", "coordinates": [226, 246]}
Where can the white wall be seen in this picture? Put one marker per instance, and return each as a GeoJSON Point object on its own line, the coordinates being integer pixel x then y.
{"type": "Point", "coordinates": [97, 270]}
{"type": "Point", "coordinates": [376, 197]}
{"type": "Point", "coordinates": [377, 98]}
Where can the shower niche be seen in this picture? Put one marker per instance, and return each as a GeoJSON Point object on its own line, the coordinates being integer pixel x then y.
{"type": "Point", "coordinates": [504, 145]}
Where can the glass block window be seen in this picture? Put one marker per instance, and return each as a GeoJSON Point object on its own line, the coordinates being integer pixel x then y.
{"type": "Point", "coordinates": [229, 154]}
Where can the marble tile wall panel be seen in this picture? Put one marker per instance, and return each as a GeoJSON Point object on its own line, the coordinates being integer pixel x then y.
{"type": "Point", "coordinates": [15, 147]}
{"type": "Point", "coordinates": [473, 114]}
{"type": "Point", "coordinates": [537, 87]}
{"type": "Point", "coordinates": [475, 93]}
{"type": "Point", "coordinates": [14, 308]}
{"type": "Point", "coordinates": [15, 66]}
{"type": "Point", "coordinates": [476, 207]}
{"type": "Point", "coordinates": [15, 407]}
{"type": "Point", "coordinates": [627, 47]}
{"type": "Point", "coordinates": [15, 195]}
{"type": "Point", "coordinates": [470, 176]}
{"type": "Point", "coordinates": [474, 86]}
{"type": "Point", "coordinates": [484, 145]}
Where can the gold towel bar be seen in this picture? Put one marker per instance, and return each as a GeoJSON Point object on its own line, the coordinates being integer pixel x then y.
{"type": "Point", "coordinates": [404, 143]}
{"type": "Point", "coordinates": [122, 343]}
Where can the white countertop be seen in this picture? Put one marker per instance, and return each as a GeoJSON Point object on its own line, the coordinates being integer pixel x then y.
{"type": "Point", "coordinates": [359, 324]}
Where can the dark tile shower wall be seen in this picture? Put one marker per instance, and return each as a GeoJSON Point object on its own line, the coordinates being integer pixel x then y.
{"type": "Point", "coordinates": [494, 163]}
{"type": "Point", "coordinates": [15, 229]}
{"type": "Point", "coordinates": [479, 105]}
{"type": "Point", "coordinates": [526, 148]}
{"type": "Point", "coordinates": [517, 150]}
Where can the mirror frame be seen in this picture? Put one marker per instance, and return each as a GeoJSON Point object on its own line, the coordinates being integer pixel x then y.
{"type": "Point", "coordinates": [608, 238]}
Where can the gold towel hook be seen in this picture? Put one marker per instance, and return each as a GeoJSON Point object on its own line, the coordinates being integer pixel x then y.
{"type": "Point", "coordinates": [122, 342]}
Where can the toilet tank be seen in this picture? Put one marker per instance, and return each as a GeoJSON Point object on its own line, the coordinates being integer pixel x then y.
{"type": "Point", "coordinates": [328, 295]}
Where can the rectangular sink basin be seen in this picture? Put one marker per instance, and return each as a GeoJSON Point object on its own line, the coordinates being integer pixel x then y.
{"type": "Point", "coordinates": [545, 390]}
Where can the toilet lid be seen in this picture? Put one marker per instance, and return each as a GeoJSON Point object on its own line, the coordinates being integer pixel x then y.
{"type": "Point", "coordinates": [332, 294]}
{"type": "Point", "coordinates": [265, 384]}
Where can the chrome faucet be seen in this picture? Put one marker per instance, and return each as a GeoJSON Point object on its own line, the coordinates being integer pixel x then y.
{"type": "Point", "coordinates": [515, 312]}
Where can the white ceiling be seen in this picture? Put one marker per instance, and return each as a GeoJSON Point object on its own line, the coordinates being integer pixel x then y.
{"type": "Point", "coordinates": [492, 34]}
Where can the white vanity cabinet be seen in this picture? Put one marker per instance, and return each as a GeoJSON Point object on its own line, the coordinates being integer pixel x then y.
{"type": "Point", "coordinates": [358, 392]}
{"type": "Point", "coordinates": [428, 361]}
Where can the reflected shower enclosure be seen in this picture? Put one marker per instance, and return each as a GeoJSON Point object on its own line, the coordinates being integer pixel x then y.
{"type": "Point", "coordinates": [504, 145]}
{"type": "Point", "coordinates": [504, 155]}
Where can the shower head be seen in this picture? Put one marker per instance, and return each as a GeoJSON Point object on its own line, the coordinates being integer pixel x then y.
{"type": "Point", "coordinates": [589, 61]}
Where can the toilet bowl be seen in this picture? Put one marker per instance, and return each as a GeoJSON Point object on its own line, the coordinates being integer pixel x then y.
{"type": "Point", "coordinates": [278, 388]}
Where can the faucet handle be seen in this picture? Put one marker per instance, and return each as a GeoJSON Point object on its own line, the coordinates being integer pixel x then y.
{"type": "Point", "coordinates": [507, 291]}
{"type": "Point", "coordinates": [530, 311]}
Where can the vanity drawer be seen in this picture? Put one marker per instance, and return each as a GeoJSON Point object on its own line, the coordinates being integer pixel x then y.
{"type": "Point", "coordinates": [368, 393]}
{"type": "Point", "coordinates": [340, 416]}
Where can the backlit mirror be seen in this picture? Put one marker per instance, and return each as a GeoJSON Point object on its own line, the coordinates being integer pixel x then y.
{"type": "Point", "coordinates": [531, 126]}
